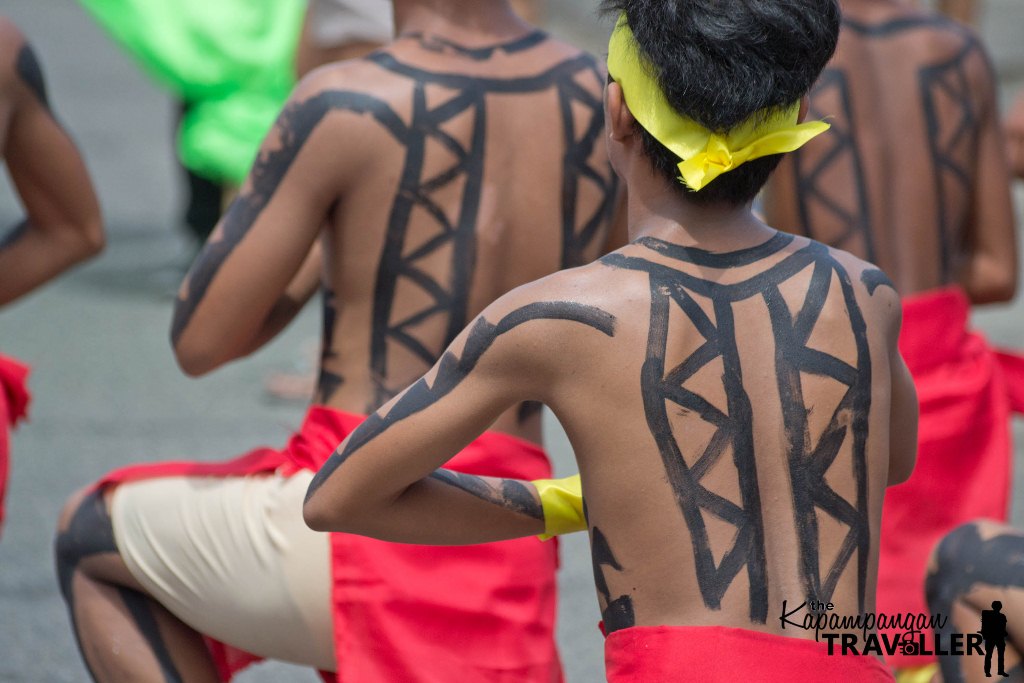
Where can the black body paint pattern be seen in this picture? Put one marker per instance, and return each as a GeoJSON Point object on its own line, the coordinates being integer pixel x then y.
{"type": "Point", "coordinates": [952, 120]}
{"type": "Point", "coordinates": [665, 393]}
{"type": "Point", "coordinates": [830, 99]}
{"type": "Point", "coordinates": [618, 613]}
{"type": "Point", "coordinates": [31, 74]}
{"type": "Point", "coordinates": [452, 370]}
{"type": "Point", "coordinates": [510, 494]}
{"type": "Point", "coordinates": [90, 533]}
{"type": "Point", "coordinates": [294, 126]}
{"type": "Point", "coordinates": [873, 278]}
{"type": "Point", "coordinates": [965, 562]}
{"type": "Point", "coordinates": [480, 54]}
{"type": "Point", "coordinates": [328, 382]}
{"type": "Point", "coordinates": [456, 235]}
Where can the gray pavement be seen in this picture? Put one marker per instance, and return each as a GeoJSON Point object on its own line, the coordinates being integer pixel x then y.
{"type": "Point", "coordinates": [106, 389]}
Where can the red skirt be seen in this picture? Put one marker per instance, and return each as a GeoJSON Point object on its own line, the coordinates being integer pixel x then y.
{"type": "Point", "coordinates": [717, 654]}
{"type": "Point", "coordinates": [14, 398]}
{"type": "Point", "coordinates": [964, 458]}
{"type": "Point", "coordinates": [419, 614]}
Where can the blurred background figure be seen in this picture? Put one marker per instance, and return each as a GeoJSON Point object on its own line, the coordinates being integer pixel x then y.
{"type": "Point", "coordinates": [974, 565]}
{"type": "Point", "coordinates": [1015, 136]}
{"type": "Point", "coordinates": [964, 11]}
{"type": "Point", "coordinates": [230, 65]}
{"type": "Point", "coordinates": [62, 224]}
{"type": "Point", "coordinates": [913, 176]}
{"type": "Point", "coordinates": [334, 31]}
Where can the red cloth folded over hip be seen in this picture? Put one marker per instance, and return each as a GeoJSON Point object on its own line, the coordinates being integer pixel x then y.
{"type": "Point", "coordinates": [964, 458]}
{"type": "Point", "coordinates": [419, 614]}
{"type": "Point", "coordinates": [14, 398]}
{"type": "Point", "coordinates": [718, 654]}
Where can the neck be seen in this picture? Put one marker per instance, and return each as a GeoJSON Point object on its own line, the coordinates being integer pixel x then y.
{"type": "Point", "coordinates": [656, 209]}
{"type": "Point", "coordinates": [474, 21]}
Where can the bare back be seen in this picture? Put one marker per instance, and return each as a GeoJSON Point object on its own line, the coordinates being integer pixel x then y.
{"type": "Point", "coordinates": [912, 169]}
{"type": "Point", "coordinates": [433, 177]}
{"type": "Point", "coordinates": [486, 172]}
{"type": "Point", "coordinates": [738, 454]}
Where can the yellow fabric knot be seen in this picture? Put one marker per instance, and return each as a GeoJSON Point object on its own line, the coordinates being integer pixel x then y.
{"type": "Point", "coordinates": [562, 500]}
{"type": "Point", "coordinates": [705, 154]}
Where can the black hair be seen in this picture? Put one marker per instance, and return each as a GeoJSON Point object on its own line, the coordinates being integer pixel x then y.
{"type": "Point", "coordinates": [721, 61]}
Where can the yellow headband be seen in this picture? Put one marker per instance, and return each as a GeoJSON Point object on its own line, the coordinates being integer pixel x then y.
{"type": "Point", "coordinates": [705, 154]}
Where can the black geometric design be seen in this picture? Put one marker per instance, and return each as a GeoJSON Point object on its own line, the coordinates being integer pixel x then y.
{"type": "Point", "coordinates": [31, 74]}
{"type": "Point", "coordinates": [479, 54]}
{"type": "Point", "coordinates": [830, 99]}
{"type": "Point", "coordinates": [617, 613]}
{"type": "Point", "coordinates": [965, 563]}
{"type": "Point", "coordinates": [952, 123]}
{"type": "Point", "coordinates": [401, 263]}
{"type": "Point", "coordinates": [453, 369]}
{"type": "Point", "coordinates": [733, 427]}
{"type": "Point", "coordinates": [456, 235]}
{"type": "Point", "coordinates": [328, 382]}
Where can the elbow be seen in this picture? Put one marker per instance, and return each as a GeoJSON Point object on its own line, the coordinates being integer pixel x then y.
{"type": "Point", "coordinates": [94, 240]}
{"type": "Point", "coordinates": [998, 285]}
{"type": "Point", "coordinates": [315, 516]}
{"type": "Point", "coordinates": [343, 510]}
{"type": "Point", "coordinates": [195, 361]}
{"type": "Point", "coordinates": [899, 473]}
{"type": "Point", "coordinates": [319, 516]}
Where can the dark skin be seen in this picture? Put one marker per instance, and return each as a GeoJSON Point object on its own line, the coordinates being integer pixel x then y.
{"type": "Point", "coordinates": [911, 99]}
{"type": "Point", "coordinates": [394, 308]}
{"type": "Point", "coordinates": [412, 188]}
{"type": "Point", "coordinates": [972, 566]}
{"type": "Point", "coordinates": [733, 395]}
{"type": "Point", "coordinates": [1015, 136]}
{"type": "Point", "coordinates": [62, 224]}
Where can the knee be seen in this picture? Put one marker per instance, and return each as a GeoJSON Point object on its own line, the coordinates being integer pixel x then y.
{"type": "Point", "coordinates": [84, 529]}
{"type": "Point", "coordinates": [953, 560]}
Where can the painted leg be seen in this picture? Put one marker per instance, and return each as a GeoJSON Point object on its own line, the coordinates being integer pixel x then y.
{"type": "Point", "coordinates": [122, 633]}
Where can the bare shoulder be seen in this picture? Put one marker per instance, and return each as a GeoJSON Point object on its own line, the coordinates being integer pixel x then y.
{"type": "Point", "coordinates": [573, 295]}
{"type": "Point", "coordinates": [873, 288]}
{"type": "Point", "coordinates": [556, 317]}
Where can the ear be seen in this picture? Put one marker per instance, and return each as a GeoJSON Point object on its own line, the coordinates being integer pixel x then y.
{"type": "Point", "coordinates": [805, 104]}
{"type": "Point", "coordinates": [620, 119]}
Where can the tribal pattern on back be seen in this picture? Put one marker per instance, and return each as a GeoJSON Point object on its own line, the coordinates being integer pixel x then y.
{"type": "Point", "coordinates": [456, 235]}
{"type": "Point", "coordinates": [834, 202]}
{"type": "Point", "coordinates": [706, 392]}
{"type": "Point", "coordinates": [421, 233]}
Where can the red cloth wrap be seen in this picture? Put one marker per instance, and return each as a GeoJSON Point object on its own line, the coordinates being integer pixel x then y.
{"type": "Point", "coordinates": [718, 654]}
{"type": "Point", "coordinates": [964, 457]}
{"type": "Point", "coordinates": [14, 398]}
{"type": "Point", "coordinates": [418, 614]}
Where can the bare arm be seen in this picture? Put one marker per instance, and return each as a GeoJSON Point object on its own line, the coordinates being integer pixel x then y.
{"type": "Point", "coordinates": [903, 408]}
{"type": "Point", "coordinates": [990, 273]}
{"type": "Point", "coordinates": [296, 295]}
{"type": "Point", "coordinates": [62, 225]}
{"type": "Point", "coordinates": [1015, 136]}
{"type": "Point", "coordinates": [259, 265]}
{"type": "Point", "coordinates": [383, 480]}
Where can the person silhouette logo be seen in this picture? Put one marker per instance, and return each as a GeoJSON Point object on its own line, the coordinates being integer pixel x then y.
{"type": "Point", "coordinates": [993, 630]}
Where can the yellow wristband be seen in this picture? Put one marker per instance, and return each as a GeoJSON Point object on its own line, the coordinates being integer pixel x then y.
{"type": "Point", "coordinates": [562, 500]}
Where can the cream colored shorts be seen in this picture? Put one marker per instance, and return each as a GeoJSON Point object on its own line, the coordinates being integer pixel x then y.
{"type": "Point", "coordinates": [334, 23]}
{"type": "Point", "coordinates": [232, 558]}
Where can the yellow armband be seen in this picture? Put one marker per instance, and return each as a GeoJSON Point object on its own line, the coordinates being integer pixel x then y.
{"type": "Point", "coordinates": [562, 500]}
